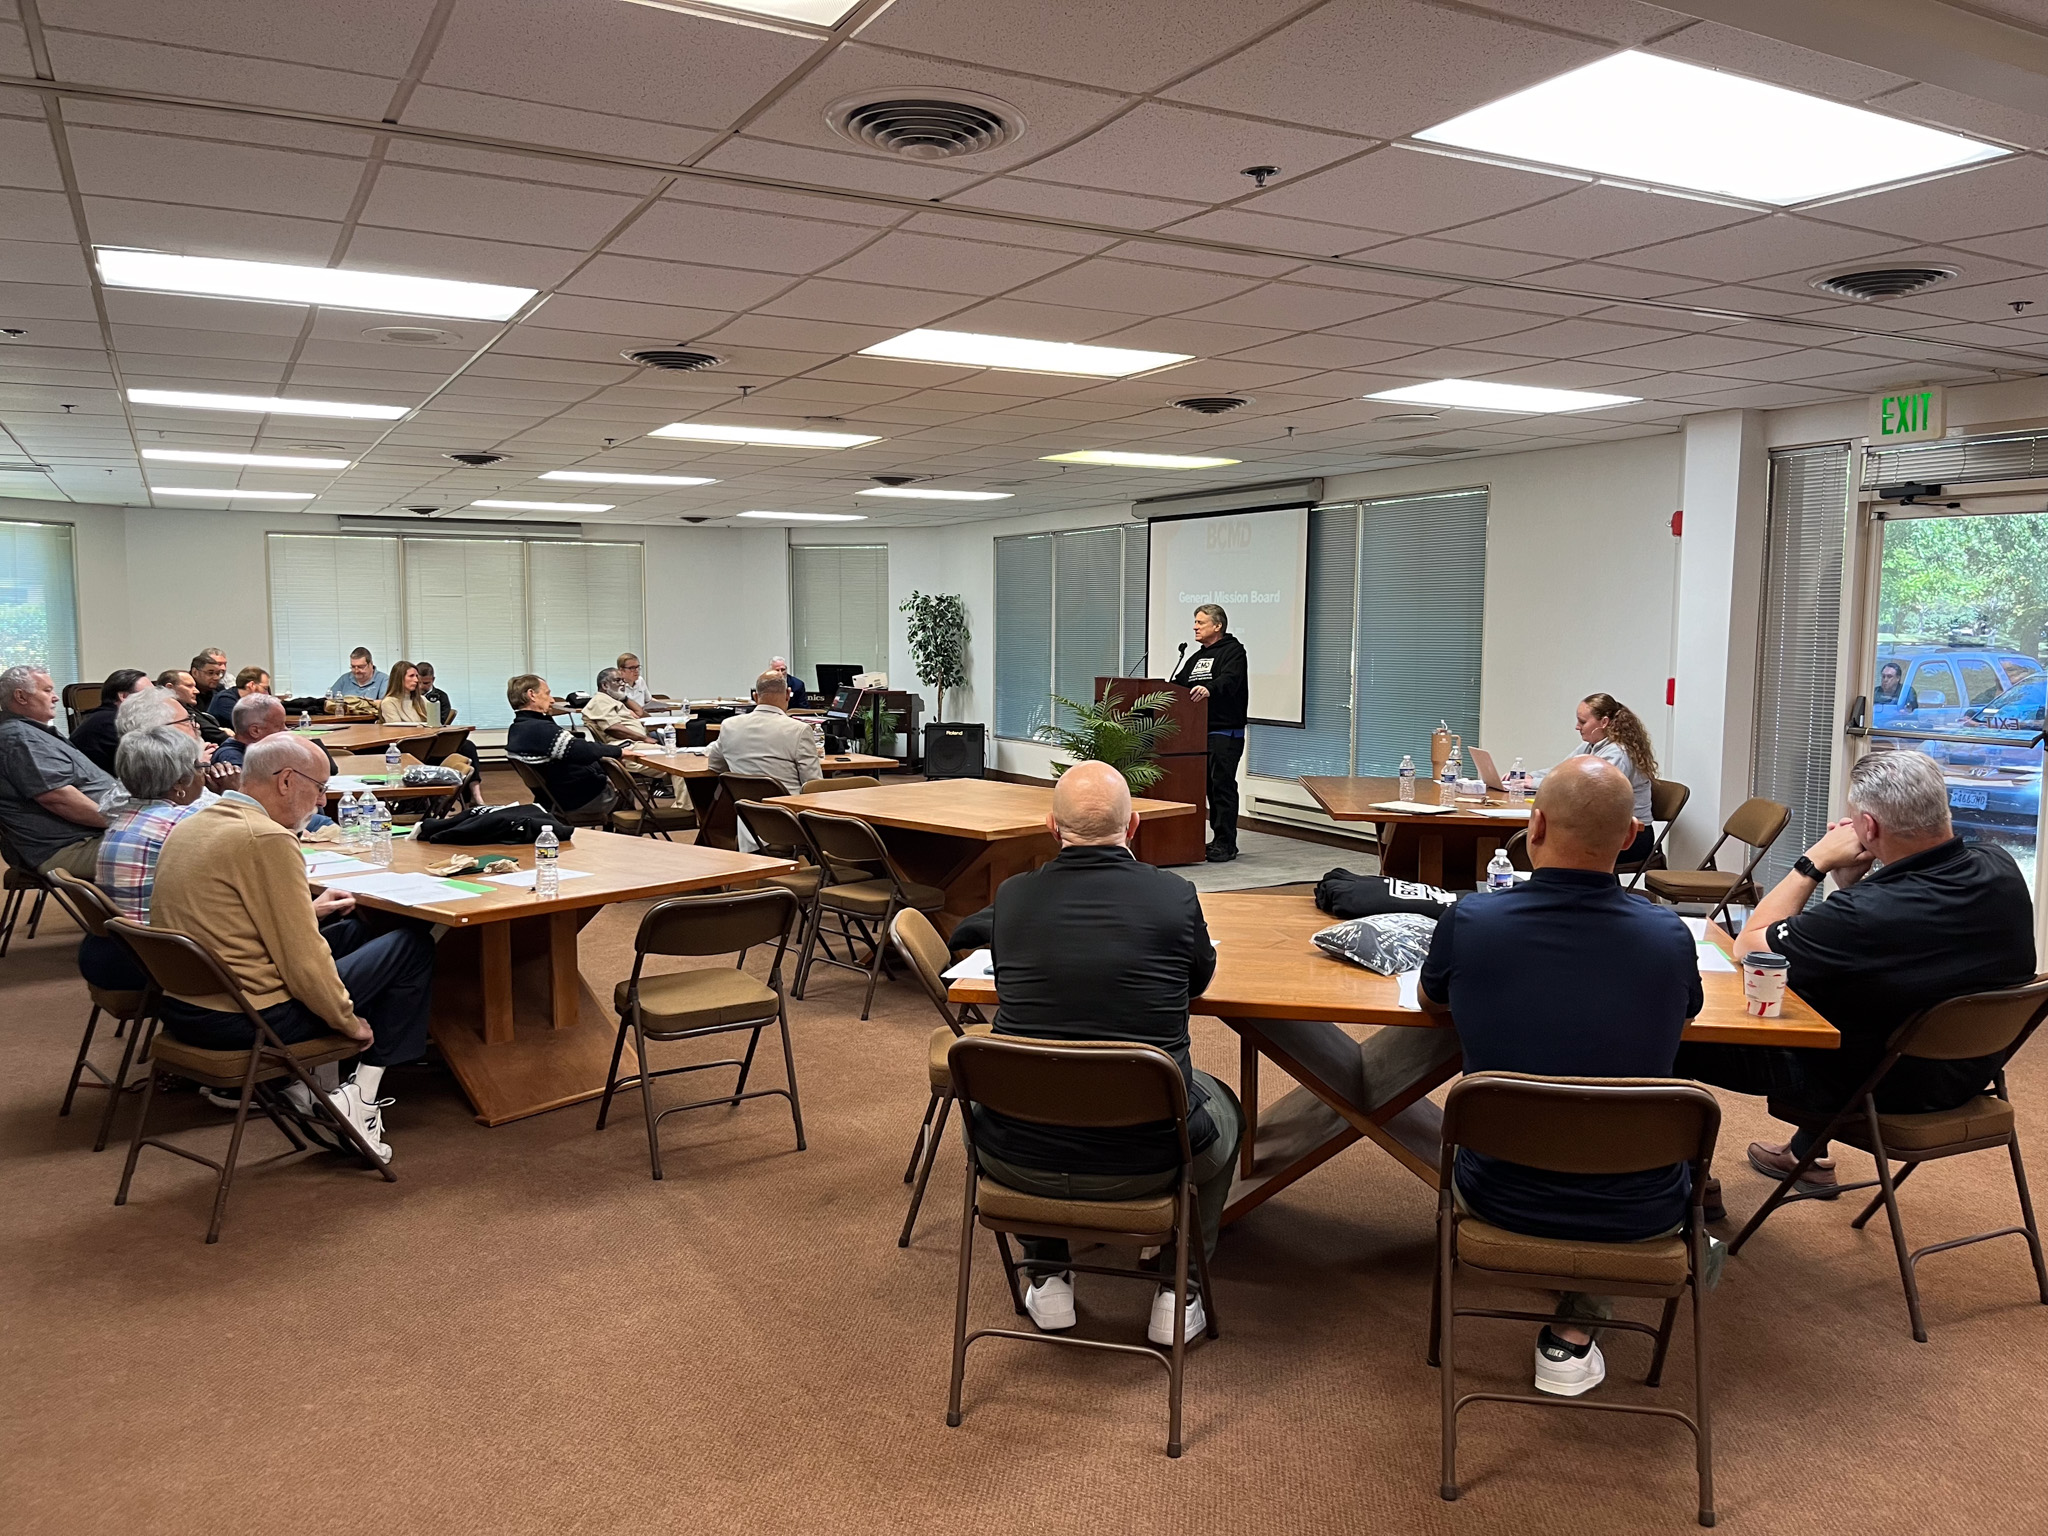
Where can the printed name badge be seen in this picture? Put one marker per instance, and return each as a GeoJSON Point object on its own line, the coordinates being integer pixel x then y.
{"type": "Point", "coordinates": [1203, 667]}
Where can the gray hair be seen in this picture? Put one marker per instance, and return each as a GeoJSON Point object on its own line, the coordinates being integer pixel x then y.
{"type": "Point", "coordinates": [21, 679]}
{"type": "Point", "coordinates": [145, 711]}
{"type": "Point", "coordinates": [153, 761]}
{"type": "Point", "coordinates": [1905, 791]}
{"type": "Point", "coordinates": [273, 755]}
{"type": "Point", "coordinates": [253, 712]}
{"type": "Point", "coordinates": [609, 683]}
{"type": "Point", "coordinates": [1216, 615]}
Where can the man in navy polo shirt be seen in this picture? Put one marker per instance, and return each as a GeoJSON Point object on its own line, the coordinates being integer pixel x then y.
{"type": "Point", "coordinates": [1568, 976]}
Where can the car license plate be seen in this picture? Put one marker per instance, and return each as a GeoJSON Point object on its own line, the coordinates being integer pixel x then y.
{"type": "Point", "coordinates": [1968, 799]}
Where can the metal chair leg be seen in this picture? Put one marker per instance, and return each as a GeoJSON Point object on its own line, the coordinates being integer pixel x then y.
{"type": "Point", "coordinates": [934, 1136]}
{"type": "Point", "coordinates": [136, 1038]}
{"type": "Point", "coordinates": [875, 959]}
{"type": "Point", "coordinates": [796, 1108]}
{"type": "Point", "coordinates": [227, 1167]}
{"type": "Point", "coordinates": [611, 1077]}
{"type": "Point", "coordinates": [1447, 1375]}
{"type": "Point", "coordinates": [1664, 1327]}
{"type": "Point", "coordinates": [1178, 1360]}
{"type": "Point", "coordinates": [1877, 1200]}
{"type": "Point", "coordinates": [135, 1141]}
{"type": "Point", "coordinates": [78, 1067]}
{"type": "Point", "coordinates": [35, 913]}
{"type": "Point", "coordinates": [1702, 1410]}
{"type": "Point", "coordinates": [924, 1129]}
{"type": "Point", "coordinates": [647, 1098]}
{"type": "Point", "coordinates": [966, 1269]}
{"type": "Point", "coordinates": [2033, 1230]}
{"type": "Point", "coordinates": [9, 914]}
{"type": "Point", "coordinates": [746, 1065]}
{"type": "Point", "coordinates": [1888, 1192]}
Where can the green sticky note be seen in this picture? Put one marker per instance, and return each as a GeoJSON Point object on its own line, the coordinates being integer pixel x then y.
{"type": "Point", "coordinates": [471, 887]}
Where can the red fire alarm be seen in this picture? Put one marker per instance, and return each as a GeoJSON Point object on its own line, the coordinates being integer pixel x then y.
{"type": "Point", "coordinates": [1678, 524]}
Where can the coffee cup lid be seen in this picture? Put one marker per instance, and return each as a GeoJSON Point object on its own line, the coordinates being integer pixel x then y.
{"type": "Point", "coordinates": [1765, 959]}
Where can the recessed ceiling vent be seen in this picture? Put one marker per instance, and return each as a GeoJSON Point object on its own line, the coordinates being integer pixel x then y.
{"type": "Point", "coordinates": [1212, 405]}
{"type": "Point", "coordinates": [674, 359]}
{"type": "Point", "coordinates": [476, 460]}
{"type": "Point", "coordinates": [921, 127]}
{"type": "Point", "coordinates": [1423, 451]}
{"type": "Point", "coordinates": [1883, 282]}
{"type": "Point", "coordinates": [412, 335]}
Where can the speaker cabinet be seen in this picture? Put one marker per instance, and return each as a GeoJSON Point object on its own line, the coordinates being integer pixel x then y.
{"type": "Point", "coordinates": [955, 749]}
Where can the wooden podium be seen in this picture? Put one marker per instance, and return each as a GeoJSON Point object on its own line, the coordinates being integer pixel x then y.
{"type": "Point", "coordinates": [1185, 757]}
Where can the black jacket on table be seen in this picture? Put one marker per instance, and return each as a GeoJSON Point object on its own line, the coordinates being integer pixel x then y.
{"type": "Point", "coordinates": [1097, 946]}
{"type": "Point", "coordinates": [565, 761]}
{"type": "Point", "coordinates": [1223, 669]}
{"type": "Point", "coordinates": [96, 736]}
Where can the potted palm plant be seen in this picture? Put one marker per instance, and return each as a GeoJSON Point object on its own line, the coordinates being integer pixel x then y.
{"type": "Point", "coordinates": [1128, 739]}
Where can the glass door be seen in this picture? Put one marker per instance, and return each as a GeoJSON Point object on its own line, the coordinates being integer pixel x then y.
{"type": "Point", "coordinates": [1957, 667]}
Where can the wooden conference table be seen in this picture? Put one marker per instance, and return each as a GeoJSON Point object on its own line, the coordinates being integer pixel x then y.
{"type": "Point", "coordinates": [370, 736]}
{"type": "Point", "coordinates": [1289, 1001]}
{"type": "Point", "coordinates": [1443, 848]}
{"type": "Point", "coordinates": [513, 1015]}
{"type": "Point", "coordinates": [372, 768]}
{"type": "Point", "coordinates": [966, 836]}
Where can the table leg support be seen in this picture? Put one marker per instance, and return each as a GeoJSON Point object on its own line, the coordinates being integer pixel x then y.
{"type": "Point", "coordinates": [1248, 1097]}
{"type": "Point", "coordinates": [566, 980]}
{"type": "Point", "coordinates": [497, 979]}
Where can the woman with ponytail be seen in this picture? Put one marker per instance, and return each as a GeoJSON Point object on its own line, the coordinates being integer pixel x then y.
{"type": "Point", "coordinates": [1609, 729]}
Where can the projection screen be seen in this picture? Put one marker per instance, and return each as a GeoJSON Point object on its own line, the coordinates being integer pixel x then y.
{"type": "Point", "coordinates": [1255, 565]}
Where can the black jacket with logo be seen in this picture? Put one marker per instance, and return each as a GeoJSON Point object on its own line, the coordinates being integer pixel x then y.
{"type": "Point", "coordinates": [1223, 669]}
{"type": "Point", "coordinates": [565, 761]}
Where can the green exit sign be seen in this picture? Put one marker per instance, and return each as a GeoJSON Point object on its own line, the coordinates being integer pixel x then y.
{"type": "Point", "coordinates": [1909, 416]}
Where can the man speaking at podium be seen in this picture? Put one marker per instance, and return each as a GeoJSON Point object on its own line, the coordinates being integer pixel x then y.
{"type": "Point", "coordinates": [1219, 673]}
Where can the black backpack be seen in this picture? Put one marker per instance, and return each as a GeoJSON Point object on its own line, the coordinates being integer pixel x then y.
{"type": "Point", "coordinates": [477, 824]}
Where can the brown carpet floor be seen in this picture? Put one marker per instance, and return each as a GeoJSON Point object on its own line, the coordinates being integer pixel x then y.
{"type": "Point", "coordinates": [527, 1334]}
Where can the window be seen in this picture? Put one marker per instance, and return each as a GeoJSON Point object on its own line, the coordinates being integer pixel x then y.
{"type": "Point", "coordinates": [1070, 607]}
{"type": "Point", "coordinates": [1323, 743]}
{"type": "Point", "coordinates": [1980, 679]}
{"type": "Point", "coordinates": [1936, 686]}
{"type": "Point", "coordinates": [38, 605]}
{"type": "Point", "coordinates": [481, 610]}
{"type": "Point", "coordinates": [838, 607]}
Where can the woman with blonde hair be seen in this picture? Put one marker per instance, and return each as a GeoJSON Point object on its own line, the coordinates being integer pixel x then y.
{"type": "Point", "coordinates": [405, 698]}
{"type": "Point", "coordinates": [1610, 730]}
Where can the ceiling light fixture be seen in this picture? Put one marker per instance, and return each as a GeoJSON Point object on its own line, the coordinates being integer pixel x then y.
{"type": "Point", "coordinates": [1020, 354]}
{"type": "Point", "coordinates": [545, 506]}
{"type": "Point", "coordinates": [761, 437]}
{"type": "Point", "coordinates": [594, 477]}
{"type": "Point", "coordinates": [912, 493]}
{"type": "Point", "coordinates": [274, 282]}
{"type": "Point", "coordinates": [267, 405]}
{"type": "Point", "coordinates": [251, 460]}
{"type": "Point", "coordinates": [808, 517]}
{"type": "Point", "coordinates": [818, 13]}
{"type": "Point", "coordinates": [1480, 395]}
{"type": "Point", "coordinates": [1121, 460]}
{"type": "Point", "coordinates": [1658, 120]}
{"type": "Point", "coordinates": [230, 495]}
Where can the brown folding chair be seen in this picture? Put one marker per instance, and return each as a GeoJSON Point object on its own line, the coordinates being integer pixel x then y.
{"type": "Point", "coordinates": [874, 898]}
{"type": "Point", "coordinates": [1757, 823]}
{"type": "Point", "coordinates": [21, 878]}
{"type": "Point", "coordinates": [79, 700]}
{"type": "Point", "coordinates": [1576, 1125]}
{"type": "Point", "coordinates": [444, 745]}
{"type": "Point", "coordinates": [1083, 1085]}
{"type": "Point", "coordinates": [1667, 799]}
{"type": "Point", "coordinates": [134, 1013]}
{"type": "Point", "coordinates": [721, 824]}
{"type": "Point", "coordinates": [1980, 1024]}
{"type": "Point", "coordinates": [688, 1005]}
{"type": "Point", "coordinates": [183, 967]}
{"type": "Point", "coordinates": [636, 814]}
{"type": "Point", "coordinates": [780, 836]}
{"type": "Point", "coordinates": [918, 943]}
{"type": "Point", "coordinates": [545, 799]}
{"type": "Point", "coordinates": [843, 781]}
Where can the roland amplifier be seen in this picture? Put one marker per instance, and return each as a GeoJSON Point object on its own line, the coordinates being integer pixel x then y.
{"type": "Point", "coordinates": [955, 750]}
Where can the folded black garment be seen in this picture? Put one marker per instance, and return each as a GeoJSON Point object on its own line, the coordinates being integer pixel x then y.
{"type": "Point", "coordinates": [492, 824]}
{"type": "Point", "coordinates": [1391, 943]}
{"type": "Point", "coordinates": [1343, 894]}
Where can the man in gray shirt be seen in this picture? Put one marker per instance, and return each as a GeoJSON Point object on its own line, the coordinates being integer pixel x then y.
{"type": "Point", "coordinates": [765, 743]}
{"type": "Point", "coordinates": [52, 796]}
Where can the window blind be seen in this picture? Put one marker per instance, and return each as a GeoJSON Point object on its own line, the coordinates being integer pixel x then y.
{"type": "Point", "coordinates": [1137, 662]}
{"type": "Point", "coordinates": [1087, 618]}
{"type": "Point", "coordinates": [1024, 577]}
{"type": "Point", "coordinates": [1323, 743]}
{"type": "Point", "coordinates": [838, 607]}
{"type": "Point", "coordinates": [329, 594]}
{"type": "Point", "coordinates": [1793, 758]}
{"type": "Point", "coordinates": [585, 609]}
{"type": "Point", "coordinates": [466, 612]}
{"type": "Point", "coordinates": [38, 600]}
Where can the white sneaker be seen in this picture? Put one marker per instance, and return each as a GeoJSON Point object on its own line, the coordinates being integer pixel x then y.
{"type": "Point", "coordinates": [300, 1097]}
{"type": "Point", "coordinates": [1563, 1373]}
{"type": "Point", "coordinates": [220, 1098]}
{"type": "Point", "coordinates": [1160, 1329]}
{"type": "Point", "coordinates": [1050, 1302]}
{"type": "Point", "coordinates": [365, 1114]}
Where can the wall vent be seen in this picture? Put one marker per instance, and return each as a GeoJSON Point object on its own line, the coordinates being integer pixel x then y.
{"type": "Point", "coordinates": [927, 127]}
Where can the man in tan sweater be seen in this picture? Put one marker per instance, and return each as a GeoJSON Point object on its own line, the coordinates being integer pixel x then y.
{"type": "Point", "coordinates": [232, 877]}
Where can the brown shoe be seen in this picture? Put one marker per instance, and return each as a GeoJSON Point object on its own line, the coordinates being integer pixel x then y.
{"type": "Point", "coordinates": [1710, 1202]}
{"type": "Point", "coordinates": [1778, 1162]}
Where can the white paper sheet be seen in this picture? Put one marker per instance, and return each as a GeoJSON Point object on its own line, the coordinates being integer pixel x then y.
{"type": "Point", "coordinates": [979, 966]}
{"type": "Point", "coordinates": [346, 782]}
{"type": "Point", "coordinates": [1696, 926]}
{"type": "Point", "coordinates": [522, 879]}
{"type": "Point", "coordinates": [1506, 813]}
{"type": "Point", "coordinates": [1410, 982]}
{"type": "Point", "coordinates": [328, 866]}
{"type": "Point", "coordinates": [409, 889]}
{"type": "Point", "coordinates": [1711, 959]}
{"type": "Point", "coordinates": [1412, 807]}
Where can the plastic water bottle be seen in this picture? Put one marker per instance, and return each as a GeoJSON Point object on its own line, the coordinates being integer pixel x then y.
{"type": "Point", "coordinates": [1447, 785]}
{"type": "Point", "coordinates": [350, 814]}
{"type": "Point", "coordinates": [379, 822]}
{"type": "Point", "coordinates": [305, 720]}
{"type": "Point", "coordinates": [1500, 874]}
{"type": "Point", "coordinates": [1517, 784]}
{"type": "Point", "coordinates": [547, 874]}
{"type": "Point", "coordinates": [393, 758]}
{"type": "Point", "coordinates": [668, 737]}
{"type": "Point", "coordinates": [1407, 777]}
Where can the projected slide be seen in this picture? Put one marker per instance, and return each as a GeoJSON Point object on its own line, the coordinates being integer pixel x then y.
{"type": "Point", "coordinates": [1255, 564]}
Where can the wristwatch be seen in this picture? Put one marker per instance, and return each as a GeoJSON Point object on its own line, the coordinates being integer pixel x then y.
{"type": "Point", "coordinates": [1805, 866]}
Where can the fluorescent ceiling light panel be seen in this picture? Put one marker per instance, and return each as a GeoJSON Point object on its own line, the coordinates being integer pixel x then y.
{"type": "Point", "coordinates": [1651, 119]}
{"type": "Point", "coordinates": [592, 477]}
{"type": "Point", "coordinates": [546, 506]}
{"type": "Point", "coordinates": [250, 460]}
{"type": "Point", "coordinates": [761, 437]}
{"type": "Point", "coordinates": [267, 405]}
{"type": "Point", "coordinates": [809, 517]}
{"type": "Point", "coordinates": [818, 13]}
{"type": "Point", "coordinates": [914, 493]}
{"type": "Point", "coordinates": [1117, 460]}
{"type": "Point", "coordinates": [1478, 395]}
{"type": "Point", "coordinates": [230, 495]}
{"type": "Point", "coordinates": [966, 349]}
{"type": "Point", "coordinates": [273, 282]}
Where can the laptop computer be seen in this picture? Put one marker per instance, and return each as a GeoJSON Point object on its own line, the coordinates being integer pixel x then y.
{"type": "Point", "coordinates": [1489, 775]}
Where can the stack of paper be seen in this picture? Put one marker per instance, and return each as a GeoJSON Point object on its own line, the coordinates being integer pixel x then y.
{"type": "Point", "coordinates": [979, 966]}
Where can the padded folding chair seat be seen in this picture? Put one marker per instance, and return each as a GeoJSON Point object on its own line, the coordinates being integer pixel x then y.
{"type": "Point", "coordinates": [696, 999]}
{"type": "Point", "coordinates": [803, 882]}
{"type": "Point", "coordinates": [1690, 884]}
{"type": "Point", "coordinates": [870, 898]}
{"type": "Point", "coordinates": [1984, 1118]}
{"type": "Point", "coordinates": [668, 818]}
{"type": "Point", "coordinates": [1654, 1261]}
{"type": "Point", "coordinates": [226, 1069]}
{"type": "Point", "coordinates": [122, 1005]}
{"type": "Point", "coordinates": [1153, 1214]}
{"type": "Point", "coordinates": [21, 880]}
{"type": "Point", "coordinates": [942, 1042]}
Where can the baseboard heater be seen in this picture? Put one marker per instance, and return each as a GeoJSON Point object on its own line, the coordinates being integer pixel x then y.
{"type": "Point", "coordinates": [1295, 814]}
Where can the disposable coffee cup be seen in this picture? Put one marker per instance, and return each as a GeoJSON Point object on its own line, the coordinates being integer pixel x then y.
{"type": "Point", "coordinates": [1763, 984]}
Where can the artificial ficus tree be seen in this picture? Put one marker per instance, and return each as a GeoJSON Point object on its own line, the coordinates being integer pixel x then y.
{"type": "Point", "coordinates": [938, 641]}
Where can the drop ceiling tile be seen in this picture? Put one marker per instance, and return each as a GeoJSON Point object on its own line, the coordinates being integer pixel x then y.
{"type": "Point", "coordinates": [203, 316]}
{"type": "Point", "coordinates": [1162, 149]}
{"type": "Point", "coordinates": [1134, 288]}
{"type": "Point", "coordinates": [1296, 307]}
{"type": "Point", "coordinates": [1455, 262]}
{"type": "Point", "coordinates": [56, 343]}
{"type": "Point", "coordinates": [1205, 258]}
{"type": "Point", "coordinates": [1018, 194]}
{"type": "Point", "coordinates": [1408, 191]}
{"type": "Point", "coordinates": [1383, 68]}
{"type": "Point", "coordinates": [1194, 337]}
{"type": "Point", "coordinates": [15, 58]}
{"type": "Point", "coordinates": [673, 284]}
{"type": "Point", "coordinates": [26, 158]}
{"type": "Point", "coordinates": [536, 122]}
{"type": "Point", "coordinates": [1617, 281]}
{"type": "Point", "coordinates": [234, 375]}
{"type": "Point", "coordinates": [1451, 363]}
{"type": "Point", "coordinates": [424, 366]}
{"type": "Point", "coordinates": [964, 225]}
{"type": "Point", "coordinates": [130, 341]}
{"type": "Point", "coordinates": [1324, 352]}
{"type": "Point", "coordinates": [192, 230]}
{"type": "Point", "coordinates": [523, 212]}
{"type": "Point", "coordinates": [1987, 200]}
{"type": "Point", "coordinates": [1271, 232]}
{"type": "Point", "coordinates": [470, 259]}
{"type": "Point", "coordinates": [1690, 352]}
{"type": "Point", "coordinates": [1231, 375]}
{"type": "Point", "coordinates": [1440, 324]}
{"type": "Point", "coordinates": [1598, 220]}
{"type": "Point", "coordinates": [157, 169]}
{"type": "Point", "coordinates": [1967, 114]}
{"type": "Point", "coordinates": [211, 76]}
{"type": "Point", "coordinates": [42, 261]}
{"type": "Point", "coordinates": [817, 336]}
{"type": "Point", "coordinates": [1580, 338]}
{"type": "Point", "coordinates": [847, 167]}
{"type": "Point", "coordinates": [377, 36]}
{"type": "Point", "coordinates": [1780, 63]}
{"type": "Point", "coordinates": [1617, 21]}
{"type": "Point", "coordinates": [732, 237]}
{"type": "Point", "coordinates": [1777, 397]}
{"type": "Point", "coordinates": [1778, 243]}
{"type": "Point", "coordinates": [862, 303]}
{"type": "Point", "coordinates": [950, 265]}
{"type": "Point", "coordinates": [1572, 375]}
{"type": "Point", "coordinates": [658, 324]}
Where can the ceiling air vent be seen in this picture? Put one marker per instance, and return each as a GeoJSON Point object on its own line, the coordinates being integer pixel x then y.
{"type": "Point", "coordinates": [1883, 282]}
{"type": "Point", "coordinates": [1212, 405]}
{"type": "Point", "coordinates": [674, 359]}
{"type": "Point", "coordinates": [1421, 452]}
{"type": "Point", "coordinates": [919, 127]}
{"type": "Point", "coordinates": [476, 460]}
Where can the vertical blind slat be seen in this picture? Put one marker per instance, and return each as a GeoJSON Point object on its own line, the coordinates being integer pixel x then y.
{"type": "Point", "coordinates": [839, 607]}
{"type": "Point", "coordinates": [1024, 567]}
{"type": "Point", "coordinates": [1323, 743]}
{"type": "Point", "coordinates": [329, 594]}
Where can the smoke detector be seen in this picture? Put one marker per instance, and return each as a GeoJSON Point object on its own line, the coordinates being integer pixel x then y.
{"type": "Point", "coordinates": [412, 335]}
{"type": "Point", "coordinates": [476, 460]}
{"type": "Point", "coordinates": [674, 359]}
{"type": "Point", "coordinates": [1212, 405]}
{"type": "Point", "coordinates": [920, 125]}
{"type": "Point", "coordinates": [1883, 282]}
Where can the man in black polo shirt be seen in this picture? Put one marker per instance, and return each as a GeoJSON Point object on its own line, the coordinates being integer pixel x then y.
{"type": "Point", "coordinates": [1568, 976]}
{"type": "Point", "coordinates": [1220, 673]}
{"type": "Point", "coordinates": [565, 761]}
{"type": "Point", "coordinates": [1918, 916]}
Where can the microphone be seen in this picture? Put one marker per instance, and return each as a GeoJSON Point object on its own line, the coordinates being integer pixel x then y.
{"type": "Point", "coordinates": [1179, 656]}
